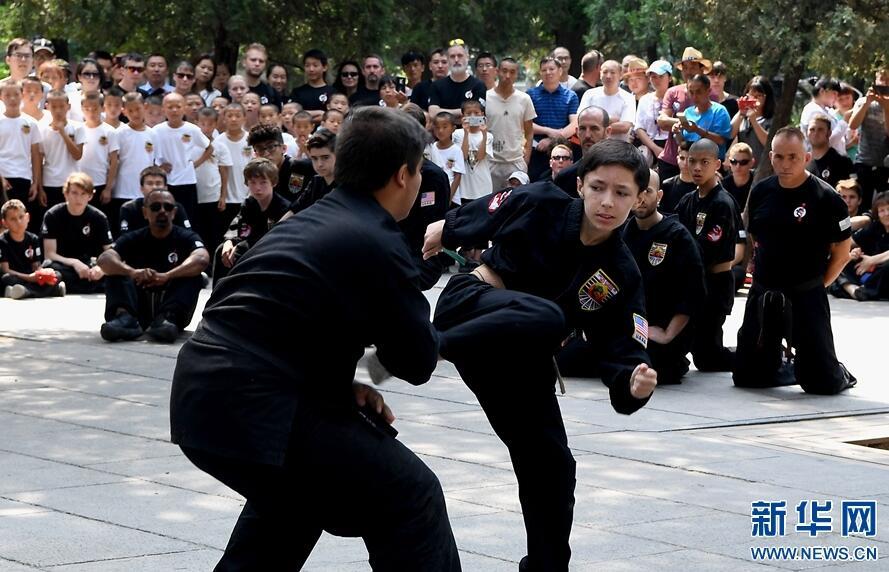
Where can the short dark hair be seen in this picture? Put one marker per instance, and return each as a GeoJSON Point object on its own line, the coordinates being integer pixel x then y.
{"type": "Point", "coordinates": [702, 79]}
{"type": "Point", "coordinates": [591, 60]}
{"type": "Point", "coordinates": [719, 69]}
{"type": "Point", "coordinates": [316, 54]}
{"type": "Point", "coordinates": [152, 171]}
{"type": "Point", "coordinates": [100, 55]}
{"type": "Point", "coordinates": [826, 84]}
{"type": "Point", "coordinates": [704, 146]}
{"type": "Point", "coordinates": [264, 133]}
{"type": "Point", "coordinates": [471, 103]}
{"type": "Point", "coordinates": [387, 80]}
{"type": "Point", "coordinates": [484, 55]}
{"type": "Point", "coordinates": [114, 91]}
{"type": "Point", "coordinates": [12, 204]}
{"type": "Point", "coordinates": [373, 144]}
{"type": "Point", "coordinates": [413, 56]}
{"type": "Point", "coordinates": [790, 131]}
{"type": "Point", "coordinates": [416, 112]}
{"type": "Point", "coordinates": [261, 168]}
{"type": "Point", "coordinates": [321, 139]}
{"type": "Point", "coordinates": [614, 152]}
{"type": "Point", "coordinates": [208, 112]}
{"type": "Point", "coordinates": [439, 51]}
{"type": "Point", "coordinates": [508, 60]}
{"type": "Point", "coordinates": [327, 113]}
{"type": "Point", "coordinates": [550, 60]}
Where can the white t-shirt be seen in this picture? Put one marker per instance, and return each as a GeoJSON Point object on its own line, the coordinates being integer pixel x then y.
{"type": "Point", "coordinates": [506, 124]}
{"type": "Point", "coordinates": [646, 116]}
{"type": "Point", "coordinates": [174, 146]}
{"type": "Point", "coordinates": [17, 134]}
{"type": "Point", "coordinates": [290, 146]}
{"type": "Point", "coordinates": [100, 143]}
{"type": "Point", "coordinates": [476, 181]}
{"type": "Point", "coordinates": [450, 160]}
{"type": "Point", "coordinates": [57, 160]}
{"type": "Point", "coordinates": [838, 127]}
{"type": "Point", "coordinates": [620, 107]}
{"type": "Point", "coordinates": [209, 179]}
{"type": "Point", "coordinates": [75, 98]}
{"type": "Point", "coordinates": [240, 153]}
{"type": "Point", "coordinates": [136, 153]}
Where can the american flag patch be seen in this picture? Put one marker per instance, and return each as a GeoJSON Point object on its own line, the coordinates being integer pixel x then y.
{"type": "Point", "coordinates": [640, 330]}
{"type": "Point", "coordinates": [427, 199]}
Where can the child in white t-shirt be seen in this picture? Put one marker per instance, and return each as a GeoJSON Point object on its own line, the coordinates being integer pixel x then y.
{"type": "Point", "coordinates": [235, 141]}
{"type": "Point", "coordinates": [213, 177]}
{"type": "Point", "coordinates": [20, 154]}
{"type": "Point", "coordinates": [477, 147]}
{"type": "Point", "coordinates": [61, 143]}
{"type": "Point", "coordinates": [445, 154]}
{"type": "Point", "coordinates": [100, 154]}
{"type": "Point", "coordinates": [136, 142]}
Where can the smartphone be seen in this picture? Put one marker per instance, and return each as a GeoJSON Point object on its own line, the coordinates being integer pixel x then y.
{"type": "Point", "coordinates": [400, 83]}
{"type": "Point", "coordinates": [681, 117]}
{"type": "Point", "coordinates": [881, 89]}
{"type": "Point", "coordinates": [745, 103]}
{"type": "Point", "coordinates": [475, 120]}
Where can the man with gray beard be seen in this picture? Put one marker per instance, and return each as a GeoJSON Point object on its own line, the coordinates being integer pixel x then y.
{"type": "Point", "coordinates": [448, 94]}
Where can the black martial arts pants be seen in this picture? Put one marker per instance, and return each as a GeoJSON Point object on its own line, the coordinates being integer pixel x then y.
{"type": "Point", "coordinates": [187, 196]}
{"type": "Point", "coordinates": [758, 358]}
{"type": "Point", "coordinates": [20, 188]}
{"type": "Point", "coordinates": [707, 347]}
{"type": "Point", "coordinates": [502, 343]}
{"type": "Point", "coordinates": [176, 301]}
{"type": "Point", "coordinates": [342, 476]}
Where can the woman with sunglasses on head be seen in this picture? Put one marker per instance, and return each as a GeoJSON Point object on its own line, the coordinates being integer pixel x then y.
{"type": "Point", "coordinates": [184, 78]}
{"type": "Point", "coordinates": [90, 77]}
{"type": "Point", "coordinates": [754, 117]}
{"type": "Point", "coordinates": [348, 75]}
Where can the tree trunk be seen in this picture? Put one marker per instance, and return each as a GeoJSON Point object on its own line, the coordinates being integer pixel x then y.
{"type": "Point", "coordinates": [223, 50]}
{"type": "Point", "coordinates": [570, 36]}
{"type": "Point", "coordinates": [783, 111]}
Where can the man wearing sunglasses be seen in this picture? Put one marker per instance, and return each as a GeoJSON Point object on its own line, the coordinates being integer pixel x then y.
{"type": "Point", "coordinates": [133, 68]}
{"type": "Point", "coordinates": [152, 276]}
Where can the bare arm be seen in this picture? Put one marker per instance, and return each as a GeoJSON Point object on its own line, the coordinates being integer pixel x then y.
{"type": "Point", "coordinates": [196, 263]}
{"type": "Point", "coordinates": [529, 137]}
{"type": "Point", "coordinates": [75, 149]}
{"type": "Point", "coordinates": [113, 265]}
{"type": "Point", "coordinates": [5, 269]}
{"type": "Point", "coordinates": [837, 260]}
{"type": "Point", "coordinates": [204, 156]}
{"type": "Point", "coordinates": [456, 184]}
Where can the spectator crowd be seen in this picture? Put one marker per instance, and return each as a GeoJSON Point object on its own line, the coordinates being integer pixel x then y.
{"type": "Point", "coordinates": [139, 177]}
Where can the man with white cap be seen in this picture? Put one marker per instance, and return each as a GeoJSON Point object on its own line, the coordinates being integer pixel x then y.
{"type": "Point", "coordinates": [517, 179]}
{"type": "Point", "coordinates": [648, 132]}
{"type": "Point", "coordinates": [676, 100]}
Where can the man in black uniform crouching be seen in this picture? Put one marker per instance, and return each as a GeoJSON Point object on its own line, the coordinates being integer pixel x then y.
{"type": "Point", "coordinates": [557, 263]}
{"type": "Point", "coordinates": [153, 275]}
{"type": "Point", "coordinates": [673, 276]}
{"type": "Point", "coordinates": [263, 401]}
{"type": "Point", "coordinates": [801, 234]}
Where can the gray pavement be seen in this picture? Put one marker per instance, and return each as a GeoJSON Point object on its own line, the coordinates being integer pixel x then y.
{"type": "Point", "coordinates": [89, 481]}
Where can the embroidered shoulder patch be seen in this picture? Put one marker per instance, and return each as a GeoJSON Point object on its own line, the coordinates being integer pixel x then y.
{"type": "Point", "coordinates": [846, 223]}
{"type": "Point", "coordinates": [498, 200]}
{"type": "Point", "coordinates": [596, 291]}
{"type": "Point", "coordinates": [640, 330]}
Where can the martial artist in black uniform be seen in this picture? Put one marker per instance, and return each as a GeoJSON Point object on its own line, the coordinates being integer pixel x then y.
{"type": "Point", "coordinates": [710, 214]}
{"type": "Point", "coordinates": [263, 401]}
{"type": "Point", "coordinates": [673, 276]}
{"type": "Point", "coordinates": [557, 263]}
{"type": "Point", "coordinates": [153, 276]}
{"type": "Point", "coordinates": [131, 217]}
{"type": "Point", "coordinates": [801, 231]}
{"type": "Point", "coordinates": [866, 277]}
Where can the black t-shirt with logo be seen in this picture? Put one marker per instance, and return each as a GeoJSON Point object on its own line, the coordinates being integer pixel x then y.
{"type": "Point", "coordinates": [140, 249]}
{"type": "Point", "coordinates": [252, 223]}
{"type": "Point", "coordinates": [364, 96]}
{"type": "Point", "coordinates": [713, 223]}
{"type": "Point", "coordinates": [420, 94]}
{"type": "Point", "coordinates": [793, 230]}
{"type": "Point", "coordinates": [131, 217]}
{"type": "Point", "coordinates": [311, 98]}
{"type": "Point", "coordinates": [21, 256]}
{"type": "Point", "coordinates": [831, 168]}
{"type": "Point", "coordinates": [293, 176]}
{"type": "Point", "coordinates": [81, 237]}
{"type": "Point", "coordinates": [449, 94]}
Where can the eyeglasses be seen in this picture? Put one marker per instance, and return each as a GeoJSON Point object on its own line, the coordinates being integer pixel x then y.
{"type": "Point", "coordinates": [21, 55]}
{"type": "Point", "coordinates": [156, 207]}
{"type": "Point", "coordinates": [184, 75]}
{"type": "Point", "coordinates": [91, 75]}
{"type": "Point", "coordinates": [135, 69]}
{"type": "Point", "coordinates": [349, 74]}
{"type": "Point", "coordinates": [264, 149]}
{"type": "Point", "coordinates": [561, 157]}
{"type": "Point", "coordinates": [456, 42]}
{"type": "Point", "coordinates": [741, 162]}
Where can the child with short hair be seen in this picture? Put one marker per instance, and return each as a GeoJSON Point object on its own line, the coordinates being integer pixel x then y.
{"type": "Point", "coordinates": [61, 143]}
{"type": "Point", "coordinates": [136, 142]}
{"type": "Point", "coordinates": [240, 152]}
{"type": "Point", "coordinates": [193, 105]}
{"type": "Point", "coordinates": [445, 154]}
{"type": "Point", "coordinates": [213, 177]}
{"type": "Point", "coordinates": [258, 214]}
{"type": "Point", "coordinates": [219, 104]}
{"type": "Point", "coordinates": [302, 128]}
{"type": "Point", "coordinates": [112, 107]}
{"type": "Point", "coordinates": [251, 104]}
{"type": "Point", "coordinates": [322, 151]}
{"type": "Point", "coordinates": [100, 152]}
{"type": "Point", "coordinates": [74, 235]}
{"type": "Point", "coordinates": [32, 98]}
{"type": "Point", "coordinates": [476, 148]}
{"type": "Point", "coordinates": [175, 144]}
{"type": "Point", "coordinates": [389, 92]}
{"type": "Point", "coordinates": [269, 116]}
{"type": "Point", "coordinates": [154, 110]}
{"type": "Point", "coordinates": [340, 102]}
{"type": "Point", "coordinates": [331, 120]}
{"type": "Point", "coordinates": [679, 185]}
{"type": "Point", "coordinates": [20, 153]}
{"type": "Point", "coordinates": [21, 255]}
{"type": "Point", "coordinates": [287, 113]}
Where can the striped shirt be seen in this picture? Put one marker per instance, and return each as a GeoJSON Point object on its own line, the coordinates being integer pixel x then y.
{"type": "Point", "coordinates": [553, 108]}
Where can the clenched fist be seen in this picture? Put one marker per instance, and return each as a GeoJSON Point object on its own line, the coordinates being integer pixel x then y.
{"type": "Point", "coordinates": [643, 381]}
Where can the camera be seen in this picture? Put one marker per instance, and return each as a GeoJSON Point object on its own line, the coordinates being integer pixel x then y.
{"type": "Point", "coordinates": [475, 120]}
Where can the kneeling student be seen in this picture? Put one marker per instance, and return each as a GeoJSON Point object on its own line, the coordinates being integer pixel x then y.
{"type": "Point", "coordinates": [20, 257]}
{"type": "Point", "coordinates": [153, 276]}
{"type": "Point", "coordinates": [259, 213]}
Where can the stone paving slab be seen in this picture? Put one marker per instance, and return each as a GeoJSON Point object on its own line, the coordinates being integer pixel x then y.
{"type": "Point", "coordinates": [89, 481]}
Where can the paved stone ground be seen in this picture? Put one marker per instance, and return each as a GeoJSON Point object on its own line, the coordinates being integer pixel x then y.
{"type": "Point", "coordinates": [89, 481]}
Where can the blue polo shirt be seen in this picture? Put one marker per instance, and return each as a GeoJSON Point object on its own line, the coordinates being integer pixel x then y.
{"type": "Point", "coordinates": [553, 108]}
{"type": "Point", "coordinates": [715, 120]}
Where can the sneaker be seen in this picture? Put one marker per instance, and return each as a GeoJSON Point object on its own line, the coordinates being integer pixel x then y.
{"type": "Point", "coordinates": [861, 294]}
{"type": "Point", "coordinates": [162, 330]}
{"type": "Point", "coordinates": [16, 292]}
{"type": "Point", "coordinates": [61, 290]}
{"type": "Point", "coordinates": [123, 327]}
